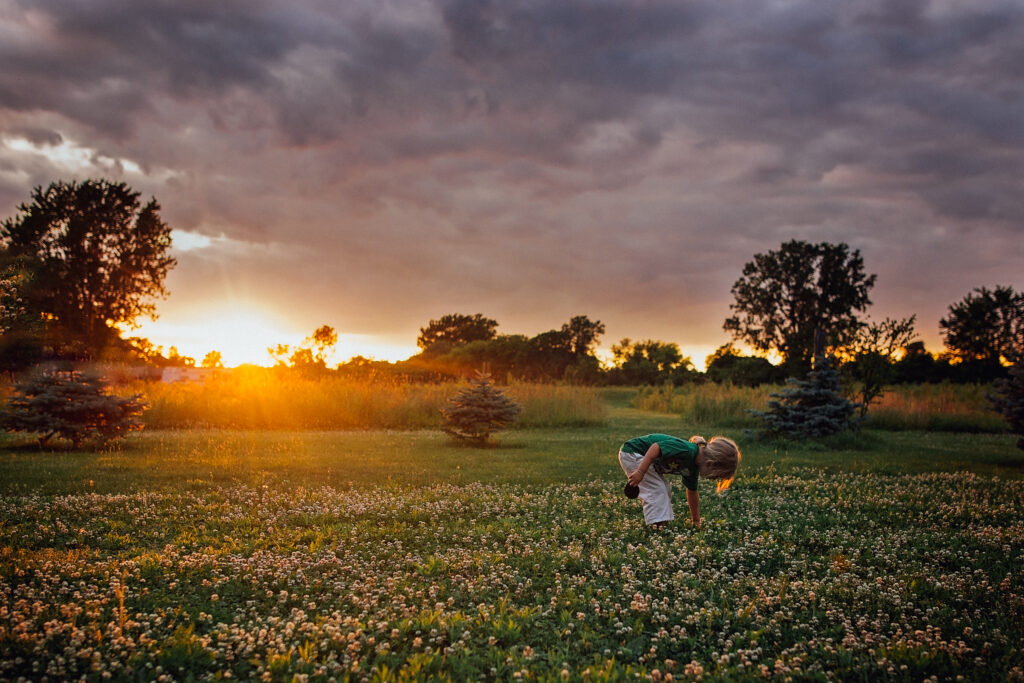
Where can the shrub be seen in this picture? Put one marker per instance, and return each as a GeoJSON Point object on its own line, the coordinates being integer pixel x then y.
{"type": "Point", "coordinates": [71, 405]}
{"type": "Point", "coordinates": [810, 408]}
{"type": "Point", "coordinates": [478, 410]}
{"type": "Point", "coordinates": [1008, 400]}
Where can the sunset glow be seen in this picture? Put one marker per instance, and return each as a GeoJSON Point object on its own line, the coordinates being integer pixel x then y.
{"type": "Point", "coordinates": [373, 166]}
{"type": "Point", "coordinates": [243, 335]}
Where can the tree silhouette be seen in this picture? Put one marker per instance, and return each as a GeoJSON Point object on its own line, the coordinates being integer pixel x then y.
{"type": "Point", "coordinates": [323, 339]}
{"type": "Point", "coordinates": [213, 359]}
{"type": "Point", "coordinates": [986, 325]}
{"type": "Point", "coordinates": [872, 355]}
{"type": "Point", "coordinates": [785, 296]}
{"type": "Point", "coordinates": [583, 334]}
{"type": "Point", "coordinates": [649, 361]}
{"type": "Point", "coordinates": [98, 257]}
{"type": "Point", "coordinates": [454, 329]}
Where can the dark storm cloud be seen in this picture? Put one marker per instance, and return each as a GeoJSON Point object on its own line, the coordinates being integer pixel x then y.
{"type": "Point", "coordinates": [528, 147]}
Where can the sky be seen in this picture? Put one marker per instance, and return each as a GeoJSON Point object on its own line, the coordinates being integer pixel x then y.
{"type": "Point", "coordinates": [373, 165]}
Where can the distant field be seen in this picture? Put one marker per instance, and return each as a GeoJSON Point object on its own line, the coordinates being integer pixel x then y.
{"type": "Point", "coordinates": [930, 407]}
{"type": "Point", "coordinates": [262, 399]}
{"type": "Point", "coordinates": [397, 555]}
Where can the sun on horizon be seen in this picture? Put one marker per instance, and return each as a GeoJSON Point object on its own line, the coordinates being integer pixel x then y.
{"type": "Point", "coordinates": [244, 334]}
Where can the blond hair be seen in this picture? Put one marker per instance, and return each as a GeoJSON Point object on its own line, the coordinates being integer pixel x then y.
{"type": "Point", "coordinates": [721, 458]}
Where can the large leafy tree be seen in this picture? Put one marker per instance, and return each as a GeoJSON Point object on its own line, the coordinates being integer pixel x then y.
{"type": "Point", "coordinates": [784, 297]}
{"type": "Point", "coordinates": [583, 334]}
{"type": "Point", "coordinates": [98, 256]}
{"type": "Point", "coordinates": [649, 361]}
{"type": "Point", "coordinates": [986, 325]}
{"type": "Point", "coordinates": [455, 329]}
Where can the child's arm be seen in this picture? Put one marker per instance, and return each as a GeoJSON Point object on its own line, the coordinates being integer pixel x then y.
{"type": "Point", "coordinates": [649, 457]}
{"type": "Point", "coordinates": [693, 500]}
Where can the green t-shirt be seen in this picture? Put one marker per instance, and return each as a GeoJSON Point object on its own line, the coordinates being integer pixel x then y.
{"type": "Point", "coordinates": [677, 456]}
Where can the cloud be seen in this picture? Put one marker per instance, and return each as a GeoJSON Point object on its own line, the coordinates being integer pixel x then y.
{"type": "Point", "coordinates": [393, 161]}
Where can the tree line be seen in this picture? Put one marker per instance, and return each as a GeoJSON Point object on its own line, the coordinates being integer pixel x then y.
{"type": "Point", "coordinates": [82, 261]}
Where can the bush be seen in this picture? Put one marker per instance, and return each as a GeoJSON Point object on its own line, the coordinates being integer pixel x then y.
{"type": "Point", "coordinates": [810, 408]}
{"type": "Point", "coordinates": [73, 406]}
{"type": "Point", "coordinates": [1008, 400]}
{"type": "Point", "coordinates": [478, 410]}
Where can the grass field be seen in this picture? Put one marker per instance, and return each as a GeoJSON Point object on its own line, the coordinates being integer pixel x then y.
{"type": "Point", "coordinates": [377, 555]}
{"type": "Point", "coordinates": [929, 407]}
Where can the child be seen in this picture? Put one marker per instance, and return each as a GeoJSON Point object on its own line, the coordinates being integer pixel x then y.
{"type": "Point", "coordinates": [716, 459]}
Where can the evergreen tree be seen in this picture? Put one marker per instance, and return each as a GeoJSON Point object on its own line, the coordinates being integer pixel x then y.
{"type": "Point", "coordinates": [810, 408]}
{"type": "Point", "coordinates": [71, 405]}
{"type": "Point", "coordinates": [478, 410]}
{"type": "Point", "coordinates": [1009, 400]}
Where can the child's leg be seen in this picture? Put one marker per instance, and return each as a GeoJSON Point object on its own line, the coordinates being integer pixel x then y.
{"type": "Point", "coordinates": [655, 492]}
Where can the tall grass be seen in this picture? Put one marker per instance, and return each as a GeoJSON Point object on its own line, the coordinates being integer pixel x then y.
{"type": "Point", "coordinates": [721, 405]}
{"type": "Point", "coordinates": [261, 399]}
{"type": "Point", "coordinates": [936, 407]}
{"type": "Point", "coordinates": [931, 407]}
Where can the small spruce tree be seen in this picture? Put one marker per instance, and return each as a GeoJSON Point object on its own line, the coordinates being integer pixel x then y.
{"type": "Point", "coordinates": [810, 408]}
{"type": "Point", "coordinates": [72, 405]}
{"type": "Point", "coordinates": [477, 411]}
{"type": "Point", "coordinates": [1008, 399]}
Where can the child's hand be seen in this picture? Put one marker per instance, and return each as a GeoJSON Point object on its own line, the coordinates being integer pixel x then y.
{"type": "Point", "coordinates": [636, 477]}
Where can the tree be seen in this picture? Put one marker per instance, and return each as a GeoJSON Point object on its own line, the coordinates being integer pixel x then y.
{"type": "Point", "coordinates": [549, 355]}
{"type": "Point", "coordinates": [727, 364]}
{"type": "Point", "coordinates": [323, 340]}
{"type": "Point", "coordinates": [986, 325]}
{"type": "Point", "coordinates": [177, 360]}
{"type": "Point", "coordinates": [213, 359]}
{"type": "Point", "coordinates": [477, 411]}
{"type": "Point", "coordinates": [649, 361]}
{"type": "Point", "coordinates": [1008, 400]}
{"type": "Point", "coordinates": [809, 408]}
{"type": "Point", "coordinates": [98, 257]}
{"type": "Point", "coordinates": [583, 334]}
{"type": "Point", "coordinates": [872, 356]}
{"type": "Point", "coordinates": [279, 353]}
{"type": "Point", "coordinates": [918, 366]}
{"type": "Point", "coordinates": [505, 355]}
{"type": "Point", "coordinates": [785, 296]}
{"type": "Point", "coordinates": [21, 343]}
{"type": "Point", "coordinates": [71, 405]}
{"type": "Point", "coordinates": [311, 356]}
{"type": "Point", "coordinates": [455, 329]}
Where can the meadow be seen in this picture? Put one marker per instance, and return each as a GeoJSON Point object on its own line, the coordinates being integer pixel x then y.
{"type": "Point", "coordinates": [943, 407]}
{"type": "Point", "coordinates": [204, 554]}
{"type": "Point", "coordinates": [266, 399]}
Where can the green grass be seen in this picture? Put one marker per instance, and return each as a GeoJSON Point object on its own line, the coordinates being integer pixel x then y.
{"type": "Point", "coordinates": [201, 458]}
{"type": "Point", "coordinates": [400, 556]}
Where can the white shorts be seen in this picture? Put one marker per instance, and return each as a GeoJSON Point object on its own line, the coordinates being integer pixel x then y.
{"type": "Point", "coordinates": [655, 492]}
